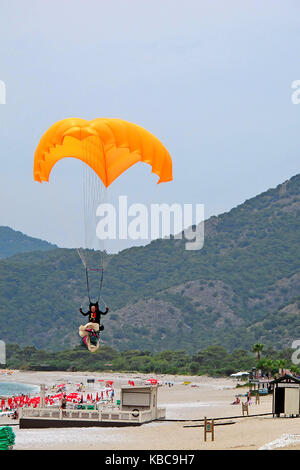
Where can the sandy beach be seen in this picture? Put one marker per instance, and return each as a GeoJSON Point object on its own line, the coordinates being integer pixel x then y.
{"type": "Point", "coordinates": [203, 396]}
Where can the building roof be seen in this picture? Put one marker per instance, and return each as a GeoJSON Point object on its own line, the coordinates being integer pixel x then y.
{"type": "Point", "coordinates": [286, 378]}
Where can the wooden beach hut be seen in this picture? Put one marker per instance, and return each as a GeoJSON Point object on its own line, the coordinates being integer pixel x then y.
{"type": "Point", "coordinates": [286, 396]}
{"type": "Point", "coordinates": [137, 399]}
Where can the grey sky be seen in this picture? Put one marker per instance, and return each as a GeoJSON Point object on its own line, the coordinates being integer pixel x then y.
{"type": "Point", "coordinates": [211, 79]}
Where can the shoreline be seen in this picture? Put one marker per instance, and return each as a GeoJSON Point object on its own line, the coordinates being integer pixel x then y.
{"type": "Point", "coordinates": [37, 377]}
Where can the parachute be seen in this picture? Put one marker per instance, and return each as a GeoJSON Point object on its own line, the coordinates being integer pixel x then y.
{"type": "Point", "coordinates": [108, 146]}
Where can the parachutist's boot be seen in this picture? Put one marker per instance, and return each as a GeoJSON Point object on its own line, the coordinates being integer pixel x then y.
{"type": "Point", "coordinates": [101, 327]}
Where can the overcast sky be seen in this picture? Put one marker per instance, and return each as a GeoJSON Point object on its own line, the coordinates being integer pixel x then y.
{"type": "Point", "coordinates": [211, 79]}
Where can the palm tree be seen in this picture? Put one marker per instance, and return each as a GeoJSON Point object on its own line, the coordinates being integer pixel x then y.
{"type": "Point", "coordinates": [257, 348]}
{"type": "Point", "coordinates": [266, 365]}
{"type": "Point", "coordinates": [280, 363]}
{"type": "Point", "coordinates": [269, 365]}
{"type": "Point", "coordinates": [295, 370]}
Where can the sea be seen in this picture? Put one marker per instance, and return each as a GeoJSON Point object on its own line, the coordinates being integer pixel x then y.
{"type": "Point", "coordinates": [12, 388]}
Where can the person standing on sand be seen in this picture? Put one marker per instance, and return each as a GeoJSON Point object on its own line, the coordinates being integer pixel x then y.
{"type": "Point", "coordinates": [63, 404]}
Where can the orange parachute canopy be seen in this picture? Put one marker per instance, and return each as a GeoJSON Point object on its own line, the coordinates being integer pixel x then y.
{"type": "Point", "coordinates": [108, 146]}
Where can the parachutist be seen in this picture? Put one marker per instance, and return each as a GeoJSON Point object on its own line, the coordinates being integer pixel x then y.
{"type": "Point", "coordinates": [94, 313]}
{"type": "Point", "coordinates": [90, 331]}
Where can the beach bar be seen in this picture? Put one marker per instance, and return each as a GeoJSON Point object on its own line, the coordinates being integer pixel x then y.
{"type": "Point", "coordinates": [261, 386]}
{"type": "Point", "coordinates": [138, 405]}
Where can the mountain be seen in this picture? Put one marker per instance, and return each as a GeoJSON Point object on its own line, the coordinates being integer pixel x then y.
{"type": "Point", "coordinates": [13, 242]}
{"type": "Point", "coordinates": [242, 287]}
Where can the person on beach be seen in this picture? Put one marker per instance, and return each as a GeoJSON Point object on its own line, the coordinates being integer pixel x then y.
{"type": "Point", "coordinates": [236, 402]}
{"type": "Point", "coordinates": [63, 404]}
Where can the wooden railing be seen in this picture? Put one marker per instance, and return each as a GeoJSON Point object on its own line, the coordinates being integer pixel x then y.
{"type": "Point", "coordinates": [103, 414]}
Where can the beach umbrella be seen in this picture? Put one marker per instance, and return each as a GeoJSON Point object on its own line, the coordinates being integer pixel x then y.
{"type": "Point", "coordinates": [152, 381]}
{"type": "Point", "coordinates": [239, 374]}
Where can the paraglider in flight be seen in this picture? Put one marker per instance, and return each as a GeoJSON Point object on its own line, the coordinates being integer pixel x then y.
{"type": "Point", "coordinates": [108, 147]}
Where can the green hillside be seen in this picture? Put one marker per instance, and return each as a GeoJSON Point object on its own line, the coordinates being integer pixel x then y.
{"type": "Point", "coordinates": [13, 242]}
{"type": "Point", "coordinates": [234, 292]}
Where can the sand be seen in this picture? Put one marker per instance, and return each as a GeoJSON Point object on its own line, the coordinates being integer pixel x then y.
{"type": "Point", "coordinates": [204, 396]}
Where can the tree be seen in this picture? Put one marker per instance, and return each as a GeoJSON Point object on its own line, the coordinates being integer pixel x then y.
{"type": "Point", "coordinates": [266, 365]}
{"type": "Point", "coordinates": [257, 348]}
{"type": "Point", "coordinates": [280, 364]}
